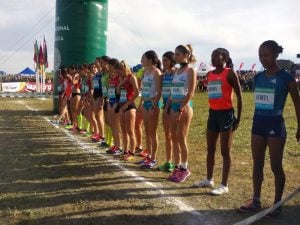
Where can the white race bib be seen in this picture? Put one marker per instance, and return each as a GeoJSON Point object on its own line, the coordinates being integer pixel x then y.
{"type": "Point", "coordinates": [112, 92]}
{"type": "Point", "coordinates": [104, 91]}
{"type": "Point", "coordinates": [96, 84]}
{"type": "Point", "coordinates": [264, 98]}
{"type": "Point", "coordinates": [123, 97]}
{"type": "Point", "coordinates": [166, 90]}
{"type": "Point", "coordinates": [177, 91]}
{"type": "Point", "coordinates": [59, 88]}
{"type": "Point", "coordinates": [146, 90]}
{"type": "Point", "coordinates": [215, 89]}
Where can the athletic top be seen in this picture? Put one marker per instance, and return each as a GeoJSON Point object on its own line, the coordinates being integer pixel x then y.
{"type": "Point", "coordinates": [97, 85]}
{"type": "Point", "coordinates": [166, 87]}
{"type": "Point", "coordinates": [127, 91]}
{"type": "Point", "coordinates": [60, 86]}
{"type": "Point", "coordinates": [68, 87]}
{"type": "Point", "coordinates": [104, 83]}
{"type": "Point", "coordinates": [85, 85]}
{"type": "Point", "coordinates": [149, 86]}
{"type": "Point", "coordinates": [78, 85]}
{"type": "Point", "coordinates": [270, 92]}
{"type": "Point", "coordinates": [113, 83]}
{"type": "Point", "coordinates": [179, 85]}
{"type": "Point", "coordinates": [220, 93]}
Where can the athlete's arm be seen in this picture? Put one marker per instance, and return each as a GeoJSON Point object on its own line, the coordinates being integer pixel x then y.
{"type": "Point", "coordinates": [192, 81]}
{"type": "Point", "coordinates": [233, 80]}
{"type": "Point", "coordinates": [293, 90]}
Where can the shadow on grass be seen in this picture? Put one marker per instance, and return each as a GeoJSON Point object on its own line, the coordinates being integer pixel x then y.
{"type": "Point", "coordinates": [127, 216]}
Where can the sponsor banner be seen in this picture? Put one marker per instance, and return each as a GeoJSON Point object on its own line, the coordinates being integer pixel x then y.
{"type": "Point", "coordinates": [14, 87]}
{"type": "Point", "coordinates": [24, 87]}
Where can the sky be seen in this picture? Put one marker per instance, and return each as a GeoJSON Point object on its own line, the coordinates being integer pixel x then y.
{"type": "Point", "coordinates": [136, 26]}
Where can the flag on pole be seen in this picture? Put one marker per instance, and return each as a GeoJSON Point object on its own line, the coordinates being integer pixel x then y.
{"type": "Point", "coordinates": [41, 56]}
{"type": "Point", "coordinates": [241, 65]}
{"type": "Point", "coordinates": [35, 56]}
{"type": "Point", "coordinates": [45, 53]}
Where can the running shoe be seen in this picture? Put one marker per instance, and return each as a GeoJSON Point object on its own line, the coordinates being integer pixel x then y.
{"type": "Point", "coordinates": [142, 162]}
{"type": "Point", "coordinates": [250, 206]}
{"type": "Point", "coordinates": [174, 174]}
{"type": "Point", "coordinates": [75, 129]}
{"type": "Point", "coordinates": [204, 184]}
{"type": "Point", "coordinates": [54, 122]}
{"type": "Point", "coordinates": [129, 156]}
{"type": "Point", "coordinates": [150, 164]}
{"type": "Point", "coordinates": [117, 152]}
{"type": "Point", "coordinates": [69, 127]}
{"type": "Point", "coordinates": [111, 150]}
{"type": "Point", "coordinates": [275, 213]}
{"type": "Point", "coordinates": [169, 167]}
{"type": "Point", "coordinates": [181, 175]}
{"type": "Point", "coordinates": [82, 131]}
{"type": "Point", "coordinates": [103, 144]}
{"type": "Point", "coordinates": [220, 190]}
{"type": "Point", "coordinates": [138, 150]}
{"type": "Point", "coordinates": [144, 153]}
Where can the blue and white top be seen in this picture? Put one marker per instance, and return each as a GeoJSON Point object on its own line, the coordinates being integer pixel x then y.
{"type": "Point", "coordinates": [149, 86]}
{"type": "Point", "coordinates": [270, 92]}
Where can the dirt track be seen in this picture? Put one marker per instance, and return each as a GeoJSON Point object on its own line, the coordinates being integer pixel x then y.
{"type": "Point", "coordinates": [50, 176]}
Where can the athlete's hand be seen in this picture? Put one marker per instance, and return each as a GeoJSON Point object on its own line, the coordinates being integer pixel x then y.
{"type": "Point", "coordinates": [298, 135]}
{"type": "Point", "coordinates": [236, 125]}
{"type": "Point", "coordinates": [124, 107]}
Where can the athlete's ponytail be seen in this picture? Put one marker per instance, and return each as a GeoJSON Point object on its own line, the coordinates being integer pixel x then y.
{"type": "Point", "coordinates": [188, 50]}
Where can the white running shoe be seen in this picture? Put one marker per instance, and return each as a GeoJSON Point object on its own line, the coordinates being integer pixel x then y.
{"type": "Point", "coordinates": [204, 183]}
{"type": "Point", "coordinates": [220, 190]}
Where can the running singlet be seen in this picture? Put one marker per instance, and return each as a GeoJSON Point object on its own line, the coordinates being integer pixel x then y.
{"type": "Point", "coordinates": [85, 87]}
{"type": "Point", "coordinates": [77, 86]}
{"type": "Point", "coordinates": [104, 84]}
{"type": "Point", "coordinates": [270, 92]}
{"type": "Point", "coordinates": [60, 86]}
{"type": "Point", "coordinates": [113, 83]}
{"type": "Point", "coordinates": [149, 86]}
{"type": "Point", "coordinates": [220, 93]}
{"type": "Point", "coordinates": [68, 85]}
{"type": "Point", "coordinates": [179, 86]}
{"type": "Point", "coordinates": [166, 87]}
{"type": "Point", "coordinates": [126, 92]}
{"type": "Point", "coordinates": [97, 85]}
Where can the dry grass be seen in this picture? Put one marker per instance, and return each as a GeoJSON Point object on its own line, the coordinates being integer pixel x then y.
{"type": "Point", "coordinates": [46, 179]}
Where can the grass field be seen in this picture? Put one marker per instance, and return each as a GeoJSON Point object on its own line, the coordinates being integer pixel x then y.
{"type": "Point", "coordinates": [46, 178]}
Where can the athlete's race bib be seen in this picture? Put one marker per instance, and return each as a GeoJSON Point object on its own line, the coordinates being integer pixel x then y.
{"type": "Point", "coordinates": [104, 91]}
{"type": "Point", "coordinates": [59, 88]}
{"type": "Point", "coordinates": [112, 92]}
{"type": "Point", "coordinates": [123, 97]}
{"type": "Point", "coordinates": [215, 89]}
{"type": "Point", "coordinates": [166, 90]}
{"type": "Point", "coordinates": [96, 84]}
{"type": "Point", "coordinates": [86, 88]}
{"type": "Point", "coordinates": [146, 90]}
{"type": "Point", "coordinates": [177, 91]}
{"type": "Point", "coordinates": [264, 98]}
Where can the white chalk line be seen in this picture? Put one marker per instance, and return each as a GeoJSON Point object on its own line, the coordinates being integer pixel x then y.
{"type": "Point", "coordinates": [182, 206]}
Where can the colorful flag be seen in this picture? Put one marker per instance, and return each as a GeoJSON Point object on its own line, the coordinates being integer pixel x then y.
{"type": "Point", "coordinates": [241, 65]}
{"type": "Point", "coordinates": [253, 66]}
{"type": "Point", "coordinates": [36, 53]}
{"type": "Point", "coordinates": [41, 56]}
{"type": "Point", "coordinates": [45, 53]}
